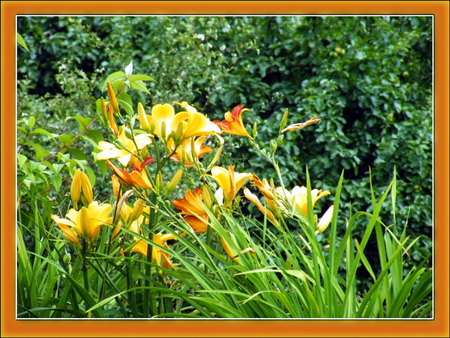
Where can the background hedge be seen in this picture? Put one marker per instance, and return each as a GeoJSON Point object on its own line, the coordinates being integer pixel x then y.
{"type": "Point", "coordinates": [368, 78]}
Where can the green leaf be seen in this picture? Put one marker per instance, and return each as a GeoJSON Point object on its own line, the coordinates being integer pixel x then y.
{"type": "Point", "coordinates": [31, 122]}
{"type": "Point", "coordinates": [113, 78]}
{"type": "Point", "coordinates": [140, 77]}
{"type": "Point", "coordinates": [21, 159]}
{"type": "Point", "coordinates": [21, 42]}
{"type": "Point", "coordinates": [126, 102]}
{"type": "Point", "coordinates": [83, 121]}
{"type": "Point", "coordinates": [42, 131]}
{"type": "Point", "coordinates": [139, 85]}
{"type": "Point", "coordinates": [77, 153]}
{"type": "Point", "coordinates": [65, 139]}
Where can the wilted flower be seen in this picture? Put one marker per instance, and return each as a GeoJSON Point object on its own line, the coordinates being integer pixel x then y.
{"type": "Point", "coordinates": [295, 126]}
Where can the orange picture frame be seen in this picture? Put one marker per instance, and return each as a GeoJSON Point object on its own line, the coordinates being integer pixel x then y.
{"type": "Point", "coordinates": [437, 327]}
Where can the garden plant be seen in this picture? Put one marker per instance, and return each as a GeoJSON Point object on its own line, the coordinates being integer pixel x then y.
{"type": "Point", "coordinates": [181, 227]}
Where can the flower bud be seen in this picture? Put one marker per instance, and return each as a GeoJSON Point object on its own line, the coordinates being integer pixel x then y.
{"type": "Point", "coordinates": [325, 220]}
{"type": "Point", "coordinates": [118, 143]}
{"type": "Point", "coordinates": [216, 157]}
{"type": "Point", "coordinates": [128, 133]}
{"type": "Point", "coordinates": [138, 207]}
{"type": "Point", "coordinates": [112, 97]}
{"type": "Point", "coordinates": [255, 131]}
{"type": "Point", "coordinates": [103, 105]}
{"type": "Point", "coordinates": [284, 119]}
{"type": "Point", "coordinates": [273, 145]}
{"type": "Point", "coordinates": [142, 117]}
{"type": "Point", "coordinates": [159, 182]}
{"type": "Point", "coordinates": [66, 258]}
{"type": "Point", "coordinates": [206, 196]}
{"type": "Point", "coordinates": [175, 180]}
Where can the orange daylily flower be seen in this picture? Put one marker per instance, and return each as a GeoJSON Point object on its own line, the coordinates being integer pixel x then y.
{"type": "Point", "coordinates": [295, 126]}
{"type": "Point", "coordinates": [191, 205]}
{"type": "Point", "coordinates": [137, 177]}
{"type": "Point", "coordinates": [233, 122]}
{"type": "Point", "coordinates": [198, 223]}
{"type": "Point", "coordinates": [196, 217]}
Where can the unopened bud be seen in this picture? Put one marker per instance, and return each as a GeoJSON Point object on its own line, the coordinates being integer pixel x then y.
{"type": "Point", "coordinates": [118, 143]}
{"type": "Point", "coordinates": [66, 258]}
{"type": "Point", "coordinates": [216, 157]}
{"type": "Point", "coordinates": [206, 196]}
{"type": "Point", "coordinates": [175, 180]}
{"type": "Point", "coordinates": [128, 133]}
{"type": "Point", "coordinates": [255, 130]}
{"type": "Point", "coordinates": [112, 97]}
{"type": "Point", "coordinates": [280, 139]}
{"type": "Point", "coordinates": [142, 117]}
{"type": "Point", "coordinates": [139, 206]}
{"type": "Point", "coordinates": [273, 145]}
{"type": "Point", "coordinates": [159, 182]}
{"type": "Point", "coordinates": [103, 105]}
{"type": "Point", "coordinates": [284, 119]}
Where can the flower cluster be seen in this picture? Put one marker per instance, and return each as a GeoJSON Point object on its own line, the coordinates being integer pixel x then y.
{"type": "Point", "coordinates": [137, 158]}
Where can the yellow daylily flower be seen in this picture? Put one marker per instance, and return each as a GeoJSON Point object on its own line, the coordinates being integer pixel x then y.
{"type": "Point", "coordinates": [69, 234]}
{"type": "Point", "coordinates": [189, 147]}
{"type": "Point", "coordinates": [254, 199]}
{"type": "Point", "coordinates": [137, 176]}
{"type": "Point", "coordinates": [298, 197]}
{"type": "Point", "coordinates": [158, 256]}
{"type": "Point", "coordinates": [197, 124]}
{"type": "Point", "coordinates": [233, 122]}
{"type": "Point", "coordinates": [80, 183]}
{"type": "Point", "coordinates": [86, 221]}
{"type": "Point", "coordinates": [184, 125]}
{"type": "Point", "coordinates": [295, 126]}
{"type": "Point", "coordinates": [109, 150]}
{"type": "Point", "coordinates": [230, 182]}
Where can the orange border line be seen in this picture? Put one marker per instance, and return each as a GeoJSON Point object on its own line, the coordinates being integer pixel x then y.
{"type": "Point", "coordinates": [376, 328]}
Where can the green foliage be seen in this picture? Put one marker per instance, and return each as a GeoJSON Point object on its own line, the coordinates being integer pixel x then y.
{"type": "Point", "coordinates": [368, 78]}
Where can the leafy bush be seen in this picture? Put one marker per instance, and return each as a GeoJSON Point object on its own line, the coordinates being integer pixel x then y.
{"type": "Point", "coordinates": [368, 78]}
